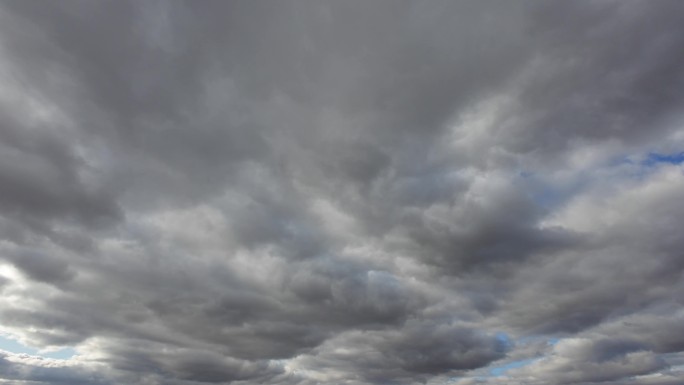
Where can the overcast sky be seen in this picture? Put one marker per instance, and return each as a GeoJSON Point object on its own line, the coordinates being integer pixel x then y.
{"type": "Point", "coordinates": [303, 192]}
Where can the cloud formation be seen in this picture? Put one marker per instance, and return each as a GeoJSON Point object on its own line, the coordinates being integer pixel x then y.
{"type": "Point", "coordinates": [342, 192]}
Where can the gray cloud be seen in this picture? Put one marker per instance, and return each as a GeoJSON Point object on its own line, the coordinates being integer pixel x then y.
{"type": "Point", "coordinates": [25, 368]}
{"type": "Point", "coordinates": [309, 192]}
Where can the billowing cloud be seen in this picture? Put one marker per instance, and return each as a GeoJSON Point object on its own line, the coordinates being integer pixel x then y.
{"type": "Point", "coordinates": [342, 192]}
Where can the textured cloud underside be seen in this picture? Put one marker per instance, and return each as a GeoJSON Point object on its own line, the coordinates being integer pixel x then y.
{"type": "Point", "coordinates": [342, 192]}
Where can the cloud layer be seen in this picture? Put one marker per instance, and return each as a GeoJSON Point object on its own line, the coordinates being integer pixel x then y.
{"type": "Point", "coordinates": [342, 192]}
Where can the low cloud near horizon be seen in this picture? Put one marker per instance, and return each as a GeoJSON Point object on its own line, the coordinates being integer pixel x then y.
{"type": "Point", "coordinates": [355, 192]}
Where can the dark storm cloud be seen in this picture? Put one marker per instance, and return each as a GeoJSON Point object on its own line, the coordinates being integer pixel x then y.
{"type": "Point", "coordinates": [41, 175]}
{"type": "Point", "coordinates": [306, 192]}
{"type": "Point", "coordinates": [412, 353]}
{"type": "Point", "coordinates": [42, 268]}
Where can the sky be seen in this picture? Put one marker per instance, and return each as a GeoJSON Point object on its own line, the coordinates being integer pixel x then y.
{"type": "Point", "coordinates": [303, 192]}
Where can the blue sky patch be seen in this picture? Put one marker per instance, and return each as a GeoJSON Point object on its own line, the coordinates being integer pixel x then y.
{"type": "Point", "coordinates": [655, 158]}
{"type": "Point", "coordinates": [504, 339]}
{"type": "Point", "coordinates": [13, 346]}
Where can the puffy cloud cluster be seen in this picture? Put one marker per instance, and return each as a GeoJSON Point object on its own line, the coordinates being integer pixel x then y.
{"type": "Point", "coordinates": [342, 192]}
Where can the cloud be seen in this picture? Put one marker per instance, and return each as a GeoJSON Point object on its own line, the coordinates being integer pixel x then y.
{"type": "Point", "coordinates": [305, 192]}
{"type": "Point", "coordinates": [22, 367]}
